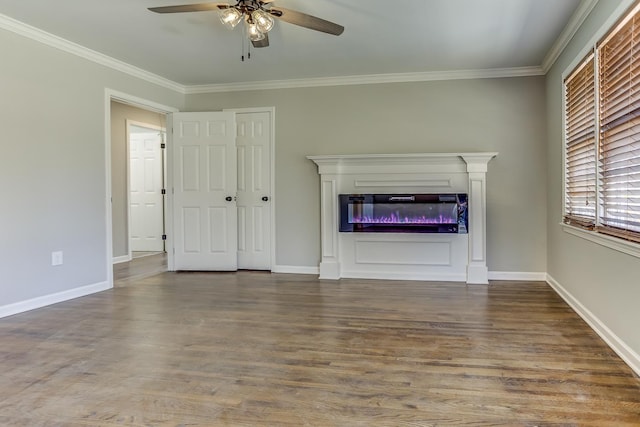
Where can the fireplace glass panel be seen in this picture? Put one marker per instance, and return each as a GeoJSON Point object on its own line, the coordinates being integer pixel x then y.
{"type": "Point", "coordinates": [403, 213]}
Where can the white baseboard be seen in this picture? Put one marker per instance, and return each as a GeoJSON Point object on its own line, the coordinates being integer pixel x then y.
{"type": "Point", "coordinates": [445, 277]}
{"type": "Point", "coordinates": [493, 275]}
{"type": "Point", "coordinates": [39, 302]}
{"type": "Point", "coordinates": [295, 269]}
{"type": "Point", "coordinates": [121, 259]}
{"type": "Point", "coordinates": [625, 352]}
{"type": "Point", "coordinates": [528, 276]}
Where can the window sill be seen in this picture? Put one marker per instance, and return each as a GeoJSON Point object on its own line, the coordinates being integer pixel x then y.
{"type": "Point", "coordinates": [620, 245]}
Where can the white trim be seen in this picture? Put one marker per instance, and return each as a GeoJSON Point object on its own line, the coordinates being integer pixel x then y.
{"type": "Point", "coordinates": [621, 348]}
{"type": "Point", "coordinates": [272, 196]}
{"type": "Point", "coordinates": [525, 276]}
{"type": "Point", "coordinates": [33, 33]}
{"type": "Point", "coordinates": [169, 245]}
{"type": "Point", "coordinates": [121, 259]}
{"type": "Point", "coordinates": [563, 123]}
{"type": "Point", "coordinates": [45, 300]}
{"type": "Point", "coordinates": [408, 157]}
{"type": "Point", "coordinates": [611, 242]}
{"type": "Point", "coordinates": [107, 184]}
{"type": "Point", "coordinates": [295, 269]}
{"type": "Point", "coordinates": [425, 277]}
{"type": "Point", "coordinates": [138, 102]}
{"type": "Point", "coordinates": [577, 19]}
{"type": "Point", "coordinates": [367, 79]}
{"type": "Point", "coordinates": [127, 195]}
{"type": "Point", "coordinates": [48, 39]}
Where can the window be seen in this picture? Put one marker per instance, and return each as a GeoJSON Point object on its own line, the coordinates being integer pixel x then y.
{"type": "Point", "coordinates": [619, 147]}
{"type": "Point", "coordinates": [602, 135]}
{"type": "Point", "coordinates": [580, 131]}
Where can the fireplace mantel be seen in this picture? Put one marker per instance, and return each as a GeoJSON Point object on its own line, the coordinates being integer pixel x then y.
{"type": "Point", "coordinates": [348, 256]}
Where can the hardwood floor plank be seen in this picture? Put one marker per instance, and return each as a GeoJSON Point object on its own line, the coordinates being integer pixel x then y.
{"type": "Point", "coordinates": [256, 349]}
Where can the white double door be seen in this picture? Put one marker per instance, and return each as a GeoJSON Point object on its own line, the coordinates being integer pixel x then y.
{"type": "Point", "coordinates": [221, 191]}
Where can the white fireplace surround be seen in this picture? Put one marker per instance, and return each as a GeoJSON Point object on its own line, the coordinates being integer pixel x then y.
{"type": "Point", "coordinates": [421, 256]}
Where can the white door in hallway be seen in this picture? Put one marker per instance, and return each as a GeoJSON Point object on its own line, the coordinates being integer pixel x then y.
{"type": "Point", "coordinates": [204, 189]}
{"type": "Point", "coordinates": [145, 190]}
{"type": "Point", "coordinates": [254, 190]}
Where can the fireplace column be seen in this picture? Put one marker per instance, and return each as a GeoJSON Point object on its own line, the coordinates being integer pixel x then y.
{"type": "Point", "coordinates": [477, 271]}
{"type": "Point", "coordinates": [330, 262]}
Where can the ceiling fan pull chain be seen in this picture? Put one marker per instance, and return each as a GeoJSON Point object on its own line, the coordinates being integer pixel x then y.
{"type": "Point", "coordinates": [242, 49]}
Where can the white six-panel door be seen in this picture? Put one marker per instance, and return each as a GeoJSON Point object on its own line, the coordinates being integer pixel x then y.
{"type": "Point", "coordinates": [204, 187]}
{"type": "Point", "coordinates": [145, 191]}
{"type": "Point", "coordinates": [254, 190]}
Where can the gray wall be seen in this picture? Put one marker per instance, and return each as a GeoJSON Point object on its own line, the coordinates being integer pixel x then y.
{"type": "Point", "coordinates": [505, 115]}
{"type": "Point", "coordinates": [120, 113]}
{"type": "Point", "coordinates": [52, 167]}
{"type": "Point", "coordinates": [605, 282]}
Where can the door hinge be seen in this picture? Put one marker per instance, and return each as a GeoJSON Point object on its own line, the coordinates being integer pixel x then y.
{"type": "Point", "coordinates": [163, 145]}
{"type": "Point", "coordinates": [163, 191]}
{"type": "Point", "coordinates": [164, 237]}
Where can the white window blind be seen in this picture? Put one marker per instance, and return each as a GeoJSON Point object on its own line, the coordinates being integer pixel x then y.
{"type": "Point", "coordinates": [580, 155]}
{"type": "Point", "coordinates": [619, 115]}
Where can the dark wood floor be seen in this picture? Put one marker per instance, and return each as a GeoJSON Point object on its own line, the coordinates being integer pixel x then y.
{"type": "Point", "coordinates": [260, 349]}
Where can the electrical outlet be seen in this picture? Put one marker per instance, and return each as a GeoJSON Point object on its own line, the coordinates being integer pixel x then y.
{"type": "Point", "coordinates": [56, 258]}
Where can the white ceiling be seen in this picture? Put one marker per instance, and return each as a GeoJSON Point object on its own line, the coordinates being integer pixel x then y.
{"type": "Point", "coordinates": [380, 37]}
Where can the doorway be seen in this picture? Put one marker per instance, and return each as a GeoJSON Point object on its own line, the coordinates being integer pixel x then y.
{"type": "Point", "coordinates": [146, 195]}
{"type": "Point", "coordinates": [120, 108]}
{"type": "Point", "coordinates": [117, 240]}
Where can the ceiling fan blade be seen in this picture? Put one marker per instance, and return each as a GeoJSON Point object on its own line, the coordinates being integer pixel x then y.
{"type": "Point", "coordinates": [198, 7]}
{"type": "Point", "coordinates": [262, 43]}
{"type": "Point", "coordinates": [307, 21]}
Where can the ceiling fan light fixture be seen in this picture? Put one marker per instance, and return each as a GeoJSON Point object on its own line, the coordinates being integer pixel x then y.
{"type": "Point", "coordinates": [253, 32]}
{"type": "Point", "coordinates": [262, 20]}
{"type": "Point", "coordinates": [230, 17]}
{"type": "Point", "coordinates": [258, 16]}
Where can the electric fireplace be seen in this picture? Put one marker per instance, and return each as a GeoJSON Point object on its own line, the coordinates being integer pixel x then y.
{"type": "Point", "coordinates": [403, 213]}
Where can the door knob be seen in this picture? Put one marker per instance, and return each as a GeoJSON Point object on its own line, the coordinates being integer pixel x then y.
{"type": "Point", "coordinates": [228, 198]}
{"type": "Point", "coordinates": [265, 199]}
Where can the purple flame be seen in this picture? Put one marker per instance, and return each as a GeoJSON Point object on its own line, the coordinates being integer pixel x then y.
{"type": "Point", "coordinates": [396, 219]}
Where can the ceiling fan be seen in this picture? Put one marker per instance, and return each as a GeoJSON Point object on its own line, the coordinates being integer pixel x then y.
{"type": "Point", "coordinates": [258, 17]}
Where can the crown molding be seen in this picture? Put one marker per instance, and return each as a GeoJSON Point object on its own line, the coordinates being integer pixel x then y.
{"type": "Point", "coordinates": [368, 79]}
{"type": "Point", "coordinates": [577, 19]}
{"type": "Point", "coordinates": [48, 39]}
{"type": "Point", "coordinates": [41, 36]}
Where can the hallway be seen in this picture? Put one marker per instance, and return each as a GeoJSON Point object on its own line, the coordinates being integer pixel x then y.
{"type": "Point", "coordinates": [127, 273]}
